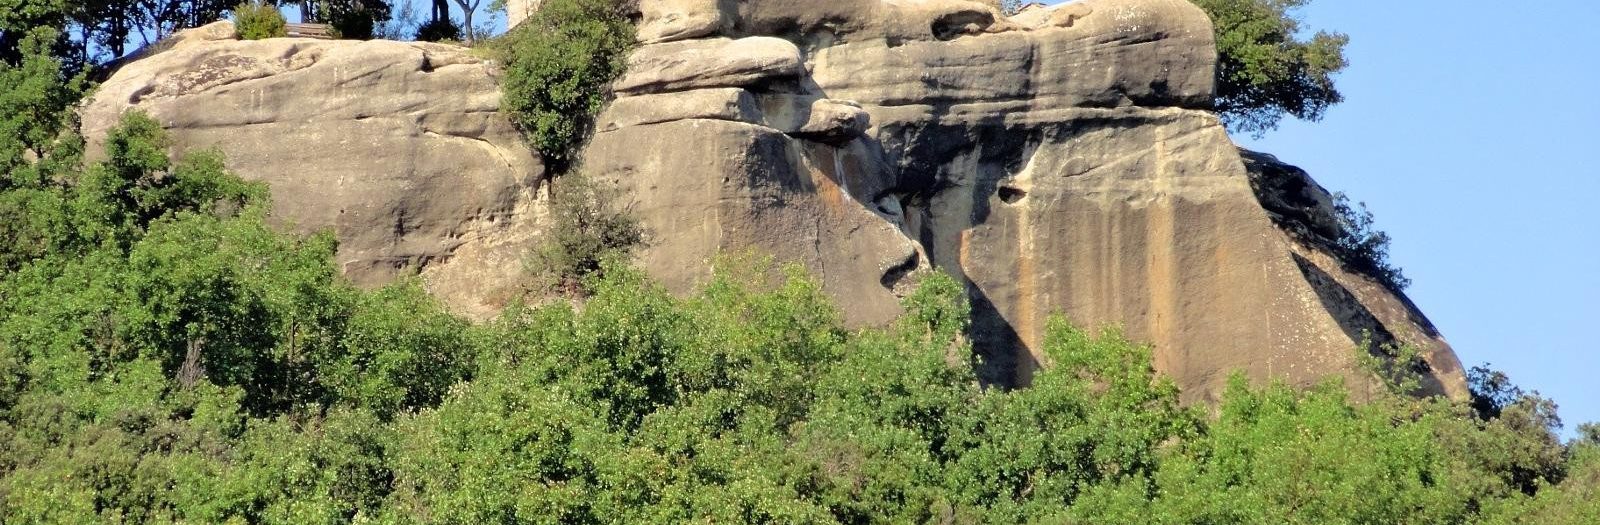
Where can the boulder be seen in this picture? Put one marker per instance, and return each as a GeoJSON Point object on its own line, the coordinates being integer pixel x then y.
{"type": "Point", "coordinates": [1155, 53]}
{"type": "Point", "coordinates": [399, 148]}
{"type": "Point", "coordinates": [734, 104]}
{"type": "Point", "coordinates": [673, 20]}
{"type": "Point", "coordinates": [719, 62]}
{"type": "Point", "coordinates": [833, 121]}
{"type": "Point", "coordinates": [819, 119]}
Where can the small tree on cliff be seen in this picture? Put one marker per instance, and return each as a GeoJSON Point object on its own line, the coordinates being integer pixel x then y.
{"type": "Point", "coordinates": [1266, 70]}
{"type": "Point", "coordinates": [559, 64]}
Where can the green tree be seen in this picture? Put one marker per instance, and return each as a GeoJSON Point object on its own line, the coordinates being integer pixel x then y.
{"type": "Point", "coordinates": [36, 97]}
{"type": "Point", "coordinates": [1266, 69]}
{"type": "Point", "coordinates": [401, 351]}
{"type": "Point", "coordinates": [256, 20]}
{"type": "Point", "coordinates": [1362, 247]}
{"type": "Point", "coordinates": [559, 65]}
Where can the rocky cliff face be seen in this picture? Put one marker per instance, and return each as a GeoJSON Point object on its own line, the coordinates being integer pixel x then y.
{"type": "Point", "coordinates": [1061, 161]}
{"type": "Point", "coordinates": [399, 148]}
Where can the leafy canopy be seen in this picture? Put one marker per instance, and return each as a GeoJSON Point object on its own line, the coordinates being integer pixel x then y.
{"type": "Point", "coordinates": [1267, 68]}
{"type": "Point", "coordinates": [255, 20]}
{"type": "Point", "coordinates": [560, 63]}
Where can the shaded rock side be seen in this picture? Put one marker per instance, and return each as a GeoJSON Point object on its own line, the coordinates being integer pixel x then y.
{"type": "Point", "coordinates": [397, 147]}
{"type": "Point", "coordinates": [706, 187]}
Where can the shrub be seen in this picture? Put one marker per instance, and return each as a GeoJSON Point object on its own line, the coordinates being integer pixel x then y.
{"type": "Point", "coordinates": [558, 65]}
{"type": "Point", "coordinates": [355, 23]}
{"type": "Point", "coordinates": [438, 31]}
{"type": "Point", "coordinates": [587, 228]}
{"type": "Point", "coordinates": [1364, 248]}
{"type": "Point", "coordinates": [257, 20]}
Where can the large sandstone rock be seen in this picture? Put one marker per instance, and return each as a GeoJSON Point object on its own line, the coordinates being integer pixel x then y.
{"type": "Point", "coordinates": [397, 147]}
{"type": "Point", "coordinates": [672, 20]}
{"type": "Point", "coordinates": [1061, 162]}
{"type": "Point", "coordinates": [1071, 168]}
{"type": "Point", "coordinates": [708, 187]}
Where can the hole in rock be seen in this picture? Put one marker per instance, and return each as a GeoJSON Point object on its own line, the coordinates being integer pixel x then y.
{"type": "Point", "coordinates": [1010, 195]}
{"type": "Point", "coordinates": [954, 25]}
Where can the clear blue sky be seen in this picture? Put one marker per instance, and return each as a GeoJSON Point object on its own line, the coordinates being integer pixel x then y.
{"type": "Point", "coordinates": [1470, 130]}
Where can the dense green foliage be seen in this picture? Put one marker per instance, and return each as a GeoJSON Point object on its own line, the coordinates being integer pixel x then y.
{"type": "Point", "coordinates": [438, 31]}
{"type": "Point", "coordinates": [1265, 69]}
{"type": "Point", "coordinates": [255, 21]}
{"type": "Point", "coordinates": [559, 65]}
{"type": "Point", "coordinates": [355, 20]}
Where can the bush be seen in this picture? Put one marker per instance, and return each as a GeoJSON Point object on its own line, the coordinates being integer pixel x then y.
{"type": "Point", "coordinates": [257, 20]}
{"type": "Point", "coordinates": [586, 229]}
{"type": "Point", "coordinates": [1364, 248]}
{"type": "Point", "coordinates": [439, 31]}
{"type": "Point", "coordinates": [185, 363]}
{"type": "Point", "coordinates": [559, 64]}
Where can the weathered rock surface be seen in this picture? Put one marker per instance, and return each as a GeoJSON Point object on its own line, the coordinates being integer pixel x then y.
{"type": "Point", "coordinates": [1060, 162]}
{"type": "Point", "coordinates": [705, 63]}
{"type": "Point", "coordinates": [671, 20]}
{"type": "Point", "coordinates": [1063, 162]}
{"type": "Point", "coordinates": [399, 148]}
{"type": "Point", "coordinates": [518, 10]}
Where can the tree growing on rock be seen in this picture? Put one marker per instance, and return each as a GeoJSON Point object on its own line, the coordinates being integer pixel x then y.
{"type": "Point", "coordinates": [559, 66]}
{"type": "Point", "coordinates": [1266, 69]}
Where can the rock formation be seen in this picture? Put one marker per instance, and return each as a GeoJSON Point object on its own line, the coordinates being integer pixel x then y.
{"type": "Point", "coordinates": [399, 148]}
{"type": "Point", "coordinates": [1063, 161]}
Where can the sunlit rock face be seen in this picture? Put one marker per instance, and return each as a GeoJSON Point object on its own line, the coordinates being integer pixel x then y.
{"type": "Point", "coordinates": [1063, 161]}
{"type": "Point", "coordinates": [397, 147]}
{"type": "Point", "coordinates": [1060, 162]}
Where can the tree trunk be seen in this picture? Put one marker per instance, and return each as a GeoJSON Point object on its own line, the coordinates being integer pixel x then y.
{"type": "Point", "coordinates": [441, 10]}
